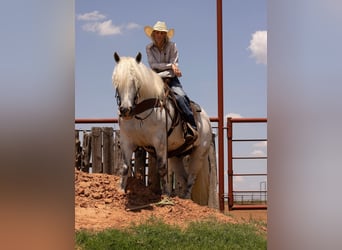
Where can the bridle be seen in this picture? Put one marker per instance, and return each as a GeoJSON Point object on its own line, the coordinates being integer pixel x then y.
{"type": "Point", "coordinates": [142, 106]}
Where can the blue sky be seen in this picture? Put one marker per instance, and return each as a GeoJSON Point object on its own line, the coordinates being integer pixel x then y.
{"type": "Point", "coordinates": [102, 27]}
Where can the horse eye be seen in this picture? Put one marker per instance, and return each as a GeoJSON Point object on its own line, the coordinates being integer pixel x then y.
{"type": "Point", "coordinates": [118, 99]}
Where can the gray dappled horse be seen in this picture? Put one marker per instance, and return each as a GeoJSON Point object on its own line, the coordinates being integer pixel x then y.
{"type": "Point", "coordinates": [146, 119]}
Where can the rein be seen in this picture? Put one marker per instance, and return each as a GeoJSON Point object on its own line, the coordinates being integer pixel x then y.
{"type": "Point", "coordinates": [156, 103]}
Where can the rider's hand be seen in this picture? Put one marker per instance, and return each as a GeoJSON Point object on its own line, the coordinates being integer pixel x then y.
{"type": "Point", "coordinates": [176, 70]}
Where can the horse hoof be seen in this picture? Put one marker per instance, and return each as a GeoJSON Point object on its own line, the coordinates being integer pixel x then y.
{"type": "Point", "coordinates": [185, 196]}
{"type": "Point", "coordinates": [166, 193]}
{"type": "Point", "coordinates": [123, 185]}
{"type": "Point", "coordinates": [122, 191]}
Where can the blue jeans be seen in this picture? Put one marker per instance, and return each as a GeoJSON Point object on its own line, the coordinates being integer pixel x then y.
{"type": "Point", "coordinates": [183, 101]}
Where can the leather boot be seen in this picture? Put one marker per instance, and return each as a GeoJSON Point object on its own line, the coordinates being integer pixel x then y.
{"type": "Point", "coordinates": [191, 133]}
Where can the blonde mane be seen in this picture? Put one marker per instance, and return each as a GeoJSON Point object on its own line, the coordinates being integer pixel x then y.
{"type": "Point", "coordinates": [127, 70]}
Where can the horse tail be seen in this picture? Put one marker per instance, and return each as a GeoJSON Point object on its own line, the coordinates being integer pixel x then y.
{"type": "Point", "coordinates": [213, 200]}
{"type": "Point", "coordinates": [200, 190]}
{"type": "Point", "coordinates": [204, 191]}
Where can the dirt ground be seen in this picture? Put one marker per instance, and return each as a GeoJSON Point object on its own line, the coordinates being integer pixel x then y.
{"type": "Point", "coordinates": [99, 205]}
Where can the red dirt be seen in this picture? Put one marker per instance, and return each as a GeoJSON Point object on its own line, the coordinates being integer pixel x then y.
{"type": "Point", "coordinates": [99, 205]}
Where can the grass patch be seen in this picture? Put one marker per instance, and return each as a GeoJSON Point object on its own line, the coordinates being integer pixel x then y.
{"type": "Point", "coordinates": [157, 235]}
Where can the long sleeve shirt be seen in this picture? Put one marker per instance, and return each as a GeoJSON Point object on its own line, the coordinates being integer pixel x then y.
{"type": "Point", "coordinates": [161, 61]}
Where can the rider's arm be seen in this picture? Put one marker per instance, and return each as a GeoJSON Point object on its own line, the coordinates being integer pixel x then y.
{"type": "Point", "coordinates": [162, 62]}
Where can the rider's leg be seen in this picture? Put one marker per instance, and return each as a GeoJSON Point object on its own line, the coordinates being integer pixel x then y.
{"type": "Point", "coordinates": [183, 103]}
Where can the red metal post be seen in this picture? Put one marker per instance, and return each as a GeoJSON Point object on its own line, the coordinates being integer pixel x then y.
{"type": "Point", "coordinates": [220, 103]}
{"type": "Point", "coordinates": [230, 122]}
{"type": "Point", "coordinates": [230, 162]}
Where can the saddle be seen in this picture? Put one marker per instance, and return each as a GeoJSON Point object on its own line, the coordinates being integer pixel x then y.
{"type": "Point", "coordinates": [188, 143]}
{"type": "Point", "coordinates": [187, 146]}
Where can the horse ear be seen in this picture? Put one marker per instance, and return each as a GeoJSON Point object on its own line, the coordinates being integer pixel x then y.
{"type": "Point", "coordinates": [138, 58]}
{"type": "Point", "coordinates": [116, 57]}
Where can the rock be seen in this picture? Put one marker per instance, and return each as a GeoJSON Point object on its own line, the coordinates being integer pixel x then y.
{"type": "Point", "coordinates": [108, 201]}
{"type": "Point", "coordinates": [97, 195]}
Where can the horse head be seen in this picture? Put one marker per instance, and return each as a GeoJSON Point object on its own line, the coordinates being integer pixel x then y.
{"type": "Point", "coordinates": [125, 82]}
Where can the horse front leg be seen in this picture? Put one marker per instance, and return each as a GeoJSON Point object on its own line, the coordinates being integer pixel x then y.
{"type": "Point", "coordinates": [176, 166]}
{"type": "Point", "coordinates": [161, 156]}
{"type": "Point", "coordinates": [126, 170]}
{"type": "Point", "coordinates": [163, 173]}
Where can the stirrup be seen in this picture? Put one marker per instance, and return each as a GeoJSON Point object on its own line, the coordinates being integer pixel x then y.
{"type": "Point", "coordinates": [191, 134]}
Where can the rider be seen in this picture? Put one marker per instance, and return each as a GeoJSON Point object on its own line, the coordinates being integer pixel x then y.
{"type": "Point", "coordinates": [162, 56]}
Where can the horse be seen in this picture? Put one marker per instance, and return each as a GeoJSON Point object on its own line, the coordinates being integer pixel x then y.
{"type": "Point", "coordinates": [147, 120]}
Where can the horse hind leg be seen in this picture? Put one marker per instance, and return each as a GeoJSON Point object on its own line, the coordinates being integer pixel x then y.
{"type": "Point", "coordinates": [197, 183]}
{"type": "Point", "coordinates": [153, 175]}
{"type": "Point", "coordinates": [165, 179]}
{"type": "Point", "coordinates": [176, 165]}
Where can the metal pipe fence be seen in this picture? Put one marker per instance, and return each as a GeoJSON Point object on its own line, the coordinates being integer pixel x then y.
{"type": "Point", "coordinates": [237, 199]}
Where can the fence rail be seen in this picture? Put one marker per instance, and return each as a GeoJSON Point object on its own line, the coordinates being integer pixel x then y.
{"type": "Point", "coordinates": [98, 151]}
{"type": "Point", "coordinates": [93, 150]}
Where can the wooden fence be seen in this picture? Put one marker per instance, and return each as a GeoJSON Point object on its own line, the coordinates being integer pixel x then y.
{"type": "Point", "coordinates": [99, 150]}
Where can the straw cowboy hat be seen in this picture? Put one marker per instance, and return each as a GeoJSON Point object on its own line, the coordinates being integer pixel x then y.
{"type": "Point", "coordinates": [159, 26]}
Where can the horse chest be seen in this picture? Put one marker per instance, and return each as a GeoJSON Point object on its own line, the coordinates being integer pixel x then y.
{"type": "Point", "coordinates": [145, 133]}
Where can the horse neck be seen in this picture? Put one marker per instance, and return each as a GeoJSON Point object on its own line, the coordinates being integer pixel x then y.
{"type": "Point", "coordinates": [149, 83]}
{"type": "Point", "coordinates": [150, 87]}
{"type": "Point", "coordinates": [147, 94]}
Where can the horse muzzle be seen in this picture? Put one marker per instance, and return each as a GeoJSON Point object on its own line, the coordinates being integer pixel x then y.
{"type": "Point", "coordinates": [126, 113]}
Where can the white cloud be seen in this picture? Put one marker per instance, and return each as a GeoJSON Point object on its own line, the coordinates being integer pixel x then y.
{"type": "Point", "coordinates": [258, 153]}
{"type": "Point", "coordinates": [258, 46]}
{"type": "Point", "coordinates": [91, 16]}
{"type": "Point", "coordinates": [103, 28]}
{"type": "Point", "coordinates": [239, 179]}
{"type": "Point", "coordinates": [261, 144]}
{"type": "Point", "coordinates": [233, 115]}
{"type": "Point", "coordinates": [238, 182]}
{"type": "Point", "coordinates": [131, 26]}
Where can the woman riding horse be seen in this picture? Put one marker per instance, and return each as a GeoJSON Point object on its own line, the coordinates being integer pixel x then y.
{"type": "Point", "coordinates": [162, 56]}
